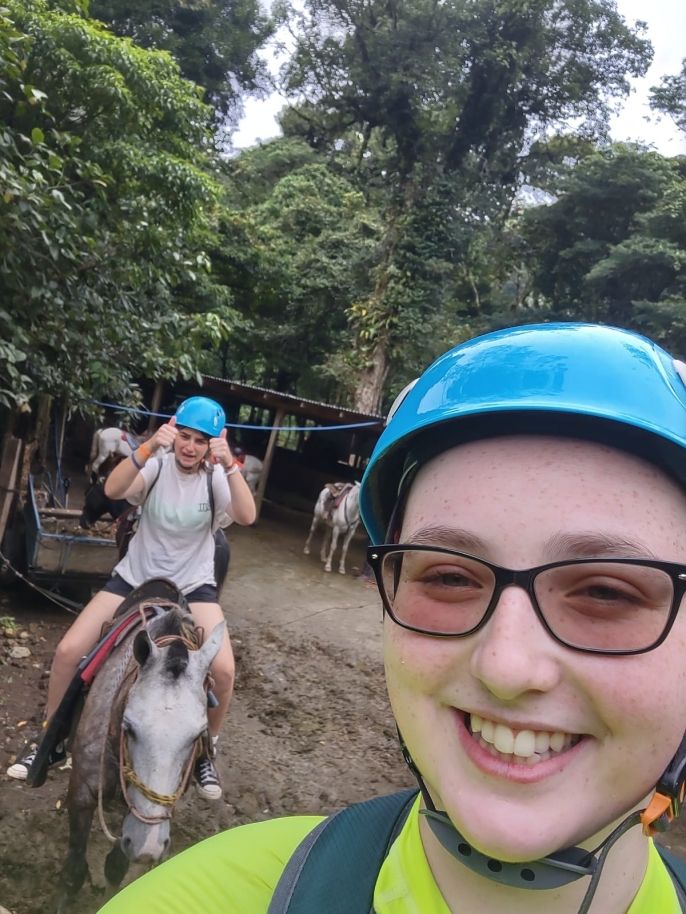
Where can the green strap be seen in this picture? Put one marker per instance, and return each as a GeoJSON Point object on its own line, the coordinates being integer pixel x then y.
{"type": "Point", "coordinates": [336, 867]}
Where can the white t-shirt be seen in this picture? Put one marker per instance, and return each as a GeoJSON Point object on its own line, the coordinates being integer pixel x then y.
{"type": "Point", "coordinates": [174, 539]}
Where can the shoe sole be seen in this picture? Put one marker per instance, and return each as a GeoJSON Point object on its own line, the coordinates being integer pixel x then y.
{"type": "Point", "coordinates": [209, 793]}
{"type": "Point", "coordinates": [18, 772]}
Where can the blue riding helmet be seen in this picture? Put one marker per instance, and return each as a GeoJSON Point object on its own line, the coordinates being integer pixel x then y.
{"type": "Point", "coordinates": [580, 380]}
{"type": "Point", "coordinates": [202, 415]}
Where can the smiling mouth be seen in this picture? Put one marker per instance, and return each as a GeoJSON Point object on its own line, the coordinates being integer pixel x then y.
{"type": "Point", "coordinates": [521, 747]}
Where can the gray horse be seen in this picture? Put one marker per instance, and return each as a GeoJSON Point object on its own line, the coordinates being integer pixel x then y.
{"type": "Point", "coordinates": [137, 738]}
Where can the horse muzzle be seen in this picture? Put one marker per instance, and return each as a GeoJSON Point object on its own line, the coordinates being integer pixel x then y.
{"type": "Point", "coordinates": [145, 843]}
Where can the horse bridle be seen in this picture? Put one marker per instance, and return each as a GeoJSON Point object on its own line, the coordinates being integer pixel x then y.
{"type": "Point", "coordinates": [128, 775]}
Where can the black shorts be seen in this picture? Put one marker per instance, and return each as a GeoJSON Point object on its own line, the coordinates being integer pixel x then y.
{"type": "Point", "coordinates": [206, 593]}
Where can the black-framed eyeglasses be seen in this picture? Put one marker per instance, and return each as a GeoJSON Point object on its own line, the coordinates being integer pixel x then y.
{"type": "Point", "coordinates": [600, 606]}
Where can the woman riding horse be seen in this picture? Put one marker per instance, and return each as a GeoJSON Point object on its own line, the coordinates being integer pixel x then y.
{"type": "Point", "coordinates": [174, 540]}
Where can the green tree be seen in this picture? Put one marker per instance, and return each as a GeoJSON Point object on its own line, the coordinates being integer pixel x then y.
{"type": "Point", "coordinates": [106, 203]}
{"type": "Point", "coordinates": [628, 267]}
{"type": "Point", "coordinates": [438, 105]}
{"type": "Point", "coordinates": [298, 246]}
{"type": "Point", "coordinates": [669, 97]}
{"type": "Point", "coordinates": [215, 42]}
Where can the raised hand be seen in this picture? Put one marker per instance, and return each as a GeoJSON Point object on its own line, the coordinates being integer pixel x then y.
{"type": "Point", "coordinates": [220, 452]}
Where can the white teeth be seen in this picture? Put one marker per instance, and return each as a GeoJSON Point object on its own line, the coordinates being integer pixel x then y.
{"type": "Point", "coordinates": [524, 744]}
{"type": "Point", "coordinates": [542, 742]}
{"type": "Point", "coordinates": [487, 730]}
{"type": "Point", "coordinates": [504, 739]}
{"type": "Point", "coordinates": [557, 741]}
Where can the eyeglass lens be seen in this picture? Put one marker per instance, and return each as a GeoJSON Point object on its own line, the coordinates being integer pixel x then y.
{"type": "Point", "coordinates": [600, 605]}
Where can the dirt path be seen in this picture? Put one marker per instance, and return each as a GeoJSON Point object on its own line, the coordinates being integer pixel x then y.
{"type": "Point", "coordinates": [309, 729]}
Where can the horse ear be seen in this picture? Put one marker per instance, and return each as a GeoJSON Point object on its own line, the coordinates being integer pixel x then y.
{"type": "Point", "coordinates": [142, 648]}
{"type": "Point", "coordinates": [211, 646]}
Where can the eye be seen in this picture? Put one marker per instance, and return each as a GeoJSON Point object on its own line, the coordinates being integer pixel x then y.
{"type": "Point", "coordinates": [129, 729]}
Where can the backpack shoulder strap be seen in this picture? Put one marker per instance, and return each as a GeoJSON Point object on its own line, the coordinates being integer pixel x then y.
{"type": "Point", "coordinates": [335, 868]}
{"type": "Point", "coordinates": [676, 867]}
{"type": "Point", "coordinates": [209, 471]}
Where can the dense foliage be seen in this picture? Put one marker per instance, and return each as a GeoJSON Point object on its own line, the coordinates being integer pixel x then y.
{"type": "Point", "coordinates": [215, 43]}
{"type": "Point", "coordinates": [442, 172]}
{"type": "Point", "coordinates": [445, 100]}
{"type": "Point", "coordinates": [106, 203]}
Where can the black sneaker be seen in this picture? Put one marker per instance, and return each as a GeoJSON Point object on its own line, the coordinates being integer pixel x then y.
{"type": "Point", "coordinates": [20, 769]}
{"type": "Point", "coordinates": [207, 779]}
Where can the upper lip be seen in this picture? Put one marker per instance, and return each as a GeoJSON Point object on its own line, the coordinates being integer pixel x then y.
{"type": "Point", "coordinates": [519, 725]}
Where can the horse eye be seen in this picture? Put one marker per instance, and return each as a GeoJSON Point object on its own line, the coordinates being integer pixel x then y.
{"type": "Point", "coordinates": [128, 728]}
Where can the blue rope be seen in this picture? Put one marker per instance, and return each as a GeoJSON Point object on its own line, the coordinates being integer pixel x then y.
{"type": "Point", "coordinates": [142, 411]}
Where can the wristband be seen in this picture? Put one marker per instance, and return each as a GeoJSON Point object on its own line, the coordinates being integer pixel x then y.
{"type": "Point", "coordinates": [234, 468]}
{"type": "Point", "coordinates": [145, 450]}
{"type": "Point", "coordinates": [139, 466]}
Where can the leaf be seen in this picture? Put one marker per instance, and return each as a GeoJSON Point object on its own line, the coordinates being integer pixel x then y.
{"type": "Point", "coordinates": [37, 135]}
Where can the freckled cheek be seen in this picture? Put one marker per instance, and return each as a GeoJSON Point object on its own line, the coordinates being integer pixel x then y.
{"type": "Point", "coordinates": [417, 663]}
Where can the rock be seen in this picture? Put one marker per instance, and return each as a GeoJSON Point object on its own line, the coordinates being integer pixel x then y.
{"type": "Point", "coordinates": [19, 653]}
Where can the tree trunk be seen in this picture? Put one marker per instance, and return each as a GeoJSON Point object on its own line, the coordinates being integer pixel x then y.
{"type": "Point", "coordinates": [370, 385]}
{"type": "Point", "coordinates": [369, 388]}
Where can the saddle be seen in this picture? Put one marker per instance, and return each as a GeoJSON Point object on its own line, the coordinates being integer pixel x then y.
{"type": "Point", "coordinates": [157, 593]}
{"type": "Point", "coordinates": [337, 492]}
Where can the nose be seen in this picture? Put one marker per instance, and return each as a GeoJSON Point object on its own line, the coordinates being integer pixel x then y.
{"type": "Point", "coordinates": [513, 653]}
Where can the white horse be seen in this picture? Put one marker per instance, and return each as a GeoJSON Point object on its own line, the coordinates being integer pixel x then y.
{"type": "Point", "coordinates": [338, 507]}
{"type": "Point", "coordinates": [252, 470]}
{"type": "Point", "coordinates": [109, 442]}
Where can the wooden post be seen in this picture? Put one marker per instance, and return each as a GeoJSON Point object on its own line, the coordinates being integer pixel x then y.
{"type": "Point", "coordinates": [268, 457]}
{"type": "Point", "coordinates": [9, 478]}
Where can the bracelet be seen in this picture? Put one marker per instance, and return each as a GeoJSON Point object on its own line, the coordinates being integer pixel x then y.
{"type": "Point", "coordinates": [139, 466]}
{"type": "Point", "coordinates": [145, 450]}
{"type": "Point", "coordinates": [234, 468]}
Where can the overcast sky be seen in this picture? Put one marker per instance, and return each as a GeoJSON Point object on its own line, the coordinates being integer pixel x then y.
{"type": "Point", "coordinates": [666, 21]}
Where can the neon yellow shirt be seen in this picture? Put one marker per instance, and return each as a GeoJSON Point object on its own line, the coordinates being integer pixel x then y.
{"type": "Point", "coordinates": [236, 873]}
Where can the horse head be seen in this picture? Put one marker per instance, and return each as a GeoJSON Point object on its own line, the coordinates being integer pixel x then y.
{"type": "Point", "coordinates": [163, 720]}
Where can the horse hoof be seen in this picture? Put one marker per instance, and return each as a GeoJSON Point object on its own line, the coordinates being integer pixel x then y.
{"type": "Point", "coordinates": [306, 550]}
{"type": "Point", "coordinates": [327, 567]}
{"type": "Point", "coordinates": [341, 570]}
{"type": "Point", "coordinates": [116, 865]}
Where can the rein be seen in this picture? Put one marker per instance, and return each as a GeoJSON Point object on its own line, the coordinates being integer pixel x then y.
{"type": "Point", "coordinates": [127, 775]}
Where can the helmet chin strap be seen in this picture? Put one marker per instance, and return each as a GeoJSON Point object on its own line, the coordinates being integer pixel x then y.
{"type": "Point", "coordinates": [566, 865]}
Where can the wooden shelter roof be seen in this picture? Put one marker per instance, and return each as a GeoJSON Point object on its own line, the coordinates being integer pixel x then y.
{"type": "Point", "coordinates": [325, 413]}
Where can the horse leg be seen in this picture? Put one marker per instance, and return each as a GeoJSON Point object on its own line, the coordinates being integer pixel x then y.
{"type": "Point", "coordinates": [332, 549]}
{"type": "Point", "coordinates": [75, 868]}
{"type": "Point", "coordinates": [326, 540]}
{"type": "Point", "coordinates": [95, 465]}
{"type": "Point", "coordinates": [313, 527]}
{"type": "Point", "coordinates": [116, 866]}
{"type": "Point", "coordinates": [344, 550]}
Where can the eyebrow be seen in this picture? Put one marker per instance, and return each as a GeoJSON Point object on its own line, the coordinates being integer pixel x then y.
{"type": "Point", "coordinates": [560, 546]}
{"type": "Point", "coordinates": [450, 537]}
{"type": "Point", "coordinates": [596, 545]}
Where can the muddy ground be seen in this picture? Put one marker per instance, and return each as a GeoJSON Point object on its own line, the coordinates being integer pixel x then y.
{"type": "Point", "coordinates": [309, 730]}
